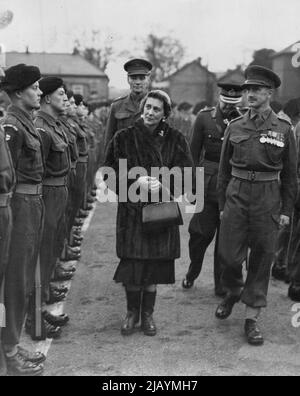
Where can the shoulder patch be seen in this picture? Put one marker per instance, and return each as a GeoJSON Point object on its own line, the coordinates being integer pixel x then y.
{"type": "Point", "coordinates": [10, 126]}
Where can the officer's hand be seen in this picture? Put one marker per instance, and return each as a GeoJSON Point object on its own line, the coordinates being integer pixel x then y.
{"type": "Point", "coordinates": [284, 221]}
{"type": "Point", "coordinates": [221, 214]}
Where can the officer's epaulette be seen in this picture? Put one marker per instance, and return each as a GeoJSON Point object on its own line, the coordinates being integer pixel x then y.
{"type": "Point", "coordinates": [120, 98]}
{"type": "Point", "coordinates": [284, 120]}
{"type": "Point", "coordinates": [10, 126]}
{"type": "Point", "coordinates": [207, 109]}
{"type": "Point", "coordinates": [236, 119]}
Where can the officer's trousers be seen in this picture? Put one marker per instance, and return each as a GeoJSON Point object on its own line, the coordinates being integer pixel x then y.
{"type": "Point", "coordinates": [55, 201]}
{"type": "Point", "coordinates": [250, 220]}
{"type": "Point", "coordinates": [5, 233]}
{"type": "Point", "coordinates": [202, 229]}
{"type": "Point", "coordinates": [294, 265]}
{"type": "Point", "coordinates": [27, 212]}
{"type": "Point", "coordinates": [79, 190]}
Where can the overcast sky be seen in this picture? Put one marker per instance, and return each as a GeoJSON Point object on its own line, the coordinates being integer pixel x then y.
{"type": "Point", "coordinates": [223, 32]}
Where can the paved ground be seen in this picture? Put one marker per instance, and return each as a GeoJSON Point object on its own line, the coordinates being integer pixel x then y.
{"type": "Point", "coordinates": [190, 341]}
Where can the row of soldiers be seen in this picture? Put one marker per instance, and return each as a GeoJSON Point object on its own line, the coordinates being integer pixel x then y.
{"type": "Point", "coordinates": [50, 152]}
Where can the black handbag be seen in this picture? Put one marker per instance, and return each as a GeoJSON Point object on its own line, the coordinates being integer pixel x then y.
{"type": "Point", "coordinates": [161, 215]}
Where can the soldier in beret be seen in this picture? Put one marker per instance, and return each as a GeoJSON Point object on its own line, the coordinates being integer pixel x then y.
{"type": "Point", "coordinates": [21, 85]}
{"type": "Point", "coordinates": [125, 111]}
{"type": "Point", "coordinates": [257, 186]}
{"type": "Point", "coordinates": [7, 184]}
{"type": "Point", "coordinates": [206, 144]}
{"type": "Point", "coordinates": [55, 194]}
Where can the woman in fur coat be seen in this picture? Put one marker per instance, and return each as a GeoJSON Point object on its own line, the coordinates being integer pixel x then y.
{"type": "Point", "coordinates": [146, 259]}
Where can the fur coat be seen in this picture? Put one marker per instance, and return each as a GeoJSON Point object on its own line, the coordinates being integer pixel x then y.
{"type": "Point", "coordinates": [140, 147]}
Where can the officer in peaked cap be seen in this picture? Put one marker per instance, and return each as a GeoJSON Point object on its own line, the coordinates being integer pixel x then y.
{"type": "Point", "coordinates": [257, 188]}
{"type": "Point", "coordinates": [207, 136]}
{"type": "Point", "coordinates": [27, 209]}
{"type": "Point", "coordinates": [125, 110]}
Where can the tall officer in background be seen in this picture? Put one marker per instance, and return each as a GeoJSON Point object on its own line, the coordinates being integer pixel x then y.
{"type": "Point", "coordinates": [257, 186]}
{"type": "Point", "coordinates": [21, 85]}
{"type": "Point", "coordinates": [7, 184]}
{"type": "Point", "coordinates": [207, 138]}
{"type": "Point", "coordinates": [125, 110]}
{"type": "Point", "coordinates": [55, 193]}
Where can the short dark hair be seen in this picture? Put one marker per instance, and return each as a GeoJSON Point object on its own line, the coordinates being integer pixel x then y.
{"type": "Point", "coordinates": [160, 95]}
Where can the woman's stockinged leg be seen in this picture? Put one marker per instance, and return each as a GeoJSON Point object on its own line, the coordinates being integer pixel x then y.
{"type": "Point", "coordinates": [148, 302]}
{"type": "Point", "coordinates": [133, 296]}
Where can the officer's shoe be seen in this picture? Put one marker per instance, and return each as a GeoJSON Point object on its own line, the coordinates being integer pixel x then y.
{"type": "Point", "coordinates": [91, 199]}
{"type": "Point", "coordinates": [294, 293]}
{"type": "Point", "coordinates": [186, 284]}
{"type": "Point", "coordinates": [253, 333]}
{"type": "Point", "coordinates": [56, 320]}
{"type": "Point", "coordinates": [65, 266]}
{"type": "Point", "coordinates": [78, 222]}
{"type": "Point", "coordinates": [128, 325]}
{"type": "Point", "coordinates": [224, 310]}
{"type": "Point", "coordinates": [148, 325]}
{"type": "Point", "coordinates": [89, 206]}
{"type": "Point", "coordinates": [55, 297]}
{"type": "Point", "coordinates": [33, 357]}
{"type": "Point", "coordinates": [18, 366]}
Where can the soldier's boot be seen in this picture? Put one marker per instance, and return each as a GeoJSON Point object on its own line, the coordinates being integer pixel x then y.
{"type": "Point", "coordinates": [17, 365]}
{"type": "Point", "coordinates": [148, 325]}
{"type": "Point", "coordinates": [3, 368]}
{"type": "Point", "coordinates": [224, 310]}
{"type": "Point", "coordinates": [253, 333]}
{"type": "Point", "coordinates": [133, 312]}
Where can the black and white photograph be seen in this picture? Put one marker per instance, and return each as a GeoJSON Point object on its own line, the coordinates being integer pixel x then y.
{"type": "Point", "coordinates": [149, 191]}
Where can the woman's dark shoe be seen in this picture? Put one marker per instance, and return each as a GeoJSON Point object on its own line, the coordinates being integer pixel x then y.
{"type": "Point", "coordinates": [56, 320]}
{"type": "Point", "coordinates": [148, 303]}
{"type": "Point", "coordinates": [253, 333]}
{"type": "Point", "coordinates": [148, 325]}
{"type": "Point", "coordinates": [294, 293]}
{"type": "Point", "coordinates": [224, 310]}
{"type": "Point", "coordinates": [132, 318]}
{"type": "Point", "coordinates": [133, 312]}
{"type": "Point", "coordinates": [186, 284]}
{"type": "Point", "coordinates": [83, 213]}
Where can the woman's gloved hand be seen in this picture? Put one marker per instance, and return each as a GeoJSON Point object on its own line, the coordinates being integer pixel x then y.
{"type": "Point", "coordinates": [149, 183]}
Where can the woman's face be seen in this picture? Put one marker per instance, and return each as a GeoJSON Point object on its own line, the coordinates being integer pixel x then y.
{"type": "Point", "coordinates": [153, 112]}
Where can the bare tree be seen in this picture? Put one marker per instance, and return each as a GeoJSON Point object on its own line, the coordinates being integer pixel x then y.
{"type": "Point", "coordinates": [97, 49]}
{"type": "Point", "coordinates": [165, 53]}
{"type": "Point", "coordinates": [263, 57]}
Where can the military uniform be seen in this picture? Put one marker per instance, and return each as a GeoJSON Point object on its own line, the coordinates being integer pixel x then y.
{"type": "Point", "coordinates": [255, 156]}
{"type": "Point", "coordinates": [206, 145]}
{"type": "Point", "coordinates": [125, 111]}
{"type": "Point", "coordinates": [27, 209]}
{"type": "Point", "coordinates": [7, 183]}
{"type": "Point", "coordinates": [55, 193]}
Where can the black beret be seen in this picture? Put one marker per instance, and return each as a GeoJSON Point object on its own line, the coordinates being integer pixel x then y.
{"type": "Point", "coordinates": [19, 77]}
{"type": "Point", "coordinates": [261, 76]}
{"type": "Point", "coordinates": [138, 67]}
{"type": "Point", "coordinates": [78, 99]}
{"type": "Point", "coordinates": [48, 85]}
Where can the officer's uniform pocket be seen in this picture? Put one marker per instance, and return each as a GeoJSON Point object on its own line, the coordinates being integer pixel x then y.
{"type": "Point", "coordinates": [274, 153]}
{"type": "Point", "coordinates": [122, 119]}
{"type": "Point", "coordinates": [240, 147]}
